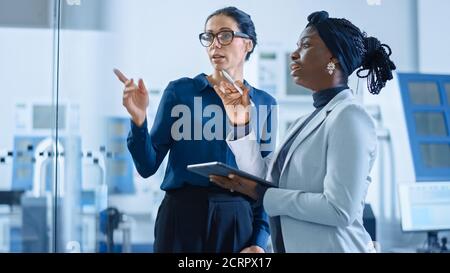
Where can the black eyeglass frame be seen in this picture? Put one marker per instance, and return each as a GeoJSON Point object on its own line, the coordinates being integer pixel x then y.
{"type": "Point", "coordinates": [233, 33]}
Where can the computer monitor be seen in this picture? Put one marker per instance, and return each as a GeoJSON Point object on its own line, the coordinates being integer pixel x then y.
{"type": "Point", "coordinates": [425, 207]}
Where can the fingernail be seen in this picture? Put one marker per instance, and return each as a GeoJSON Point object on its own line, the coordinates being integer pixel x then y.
{"type": "Point", "coordinates": [231, 176]}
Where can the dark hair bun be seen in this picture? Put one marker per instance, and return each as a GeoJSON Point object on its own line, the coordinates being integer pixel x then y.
{"type": "Point", "coordinates": [378, 64]}
{"type": "Point", "coordinates": [317, 17]}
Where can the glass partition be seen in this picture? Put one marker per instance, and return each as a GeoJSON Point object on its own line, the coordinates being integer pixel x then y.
{"type": "Point", "coordinates": [28, 139]}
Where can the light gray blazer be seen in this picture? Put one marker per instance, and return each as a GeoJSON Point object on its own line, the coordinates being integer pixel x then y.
{"type": "Point", "coordinates": [323, 184]}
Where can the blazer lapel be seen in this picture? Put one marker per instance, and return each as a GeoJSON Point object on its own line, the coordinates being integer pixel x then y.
{"type": "Point", "coordinates": [315, 123]}
{"type": "Point", "coordinates": [310, 127]}
{"type": "Point", "coordinates": [294, 129]}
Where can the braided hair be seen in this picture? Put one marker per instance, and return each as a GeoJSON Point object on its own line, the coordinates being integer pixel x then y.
{"type": "Point", "coordinates": [377, 63]}
{"type": "Point", "coordinates": [374, 58]}
{"type": "Point", "coordinates": [368, 53]}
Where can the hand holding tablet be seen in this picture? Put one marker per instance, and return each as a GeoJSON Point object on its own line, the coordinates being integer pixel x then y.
{"type": "Point", "coordinates": [221, 169]}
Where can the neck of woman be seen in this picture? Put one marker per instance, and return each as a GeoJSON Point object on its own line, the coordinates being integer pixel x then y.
{"type": "Point", "coordinates": [236, 73]}
{"type": "Point", "coordinates": [336, 80]}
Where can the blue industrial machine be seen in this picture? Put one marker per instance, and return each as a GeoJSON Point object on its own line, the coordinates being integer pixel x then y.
{"type": "Point", "coordinates": [425, 205]}
{"type": "Point", "coordinates": [34, 159]}
{"type": "Point", "coordinates": [119, 164]}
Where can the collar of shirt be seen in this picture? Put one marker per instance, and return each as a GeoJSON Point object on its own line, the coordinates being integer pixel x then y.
{"type": "Point", "coordinates": [202, 83]}
{"type": "Point", "coordinates": [323, 97]}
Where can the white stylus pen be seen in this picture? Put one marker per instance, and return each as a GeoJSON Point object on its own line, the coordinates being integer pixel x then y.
{"type": "Point", "coordinates": [231, 80]}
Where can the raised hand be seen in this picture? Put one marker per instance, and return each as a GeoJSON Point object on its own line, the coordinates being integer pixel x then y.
{"type": "Point", "coordinates": [135, 98]}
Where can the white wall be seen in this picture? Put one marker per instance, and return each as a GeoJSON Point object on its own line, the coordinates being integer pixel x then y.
{"type": "Point", "coordinates": [434, 38]}
{"type": "Point", "coordinates": [163, 36]}
{"type": "Point", "coordinates": [25, 72]}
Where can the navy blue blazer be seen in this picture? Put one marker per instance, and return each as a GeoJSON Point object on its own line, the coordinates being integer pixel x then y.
{"type": "Point", "coordinates": [189, 145]}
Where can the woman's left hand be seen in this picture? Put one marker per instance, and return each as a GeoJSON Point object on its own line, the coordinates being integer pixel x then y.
{"type": "Point", "coordinates": [237, 106]}
{"type": "Point", "coordinates": [236, 183]}
{"type": "Point", "coordinates": [253, 249]}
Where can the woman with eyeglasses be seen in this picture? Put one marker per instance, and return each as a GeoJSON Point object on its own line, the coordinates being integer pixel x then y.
{"type": "Point", "coordinates": [196, 215]}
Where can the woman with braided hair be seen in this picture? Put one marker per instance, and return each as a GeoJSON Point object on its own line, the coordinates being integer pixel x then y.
{"type": "Point", "coordinates": [322, 167]}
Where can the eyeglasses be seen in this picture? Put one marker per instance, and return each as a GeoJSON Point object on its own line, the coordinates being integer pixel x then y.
{"type": "Point", "coordinates": [224, 37]}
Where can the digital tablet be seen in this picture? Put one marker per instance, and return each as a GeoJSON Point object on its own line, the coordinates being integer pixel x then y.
{"type": "Point", "coordinates": [221, 169]}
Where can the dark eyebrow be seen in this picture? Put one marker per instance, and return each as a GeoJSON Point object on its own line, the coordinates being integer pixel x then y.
{"type": "Point", "coordinates": [306, 37]}
{"type": "Point", "coordinates": [220, 29]}
{"type": "Point", "coordinates": [303, 39]}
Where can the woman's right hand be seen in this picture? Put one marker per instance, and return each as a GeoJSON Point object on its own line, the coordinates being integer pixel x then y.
{"type": "Point", "coordinates": [135, 98]}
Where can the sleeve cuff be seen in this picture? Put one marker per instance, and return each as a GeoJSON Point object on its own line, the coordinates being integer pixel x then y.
{"type": "Point", "coordinates": [137, 130]}
{"type": "Point", "coordinates": [261, 190]}
{"type": "Point", "coordinates": [267, 200]}
{"type": "Point", "coordinates": [260, 239]}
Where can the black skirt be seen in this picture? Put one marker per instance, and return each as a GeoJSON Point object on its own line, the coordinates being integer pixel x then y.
{"type": "Point", "coordinates": [203, 219]}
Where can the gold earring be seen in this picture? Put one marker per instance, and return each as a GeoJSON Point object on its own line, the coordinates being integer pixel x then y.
{"type": "Point", "coordinates": [331, 67]}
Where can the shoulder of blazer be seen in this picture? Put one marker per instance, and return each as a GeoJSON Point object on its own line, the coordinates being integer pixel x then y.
{"type": "Point", "coordinates": [349, 103]}
{"type": "Point", "coordinates": [345, 95]}
{"type": "Point", "coordinates": [339, 101]}
{"type": "Point", "coordinates": [341, 106]}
